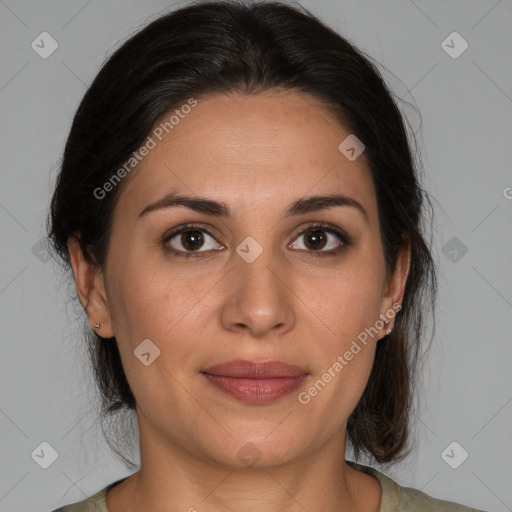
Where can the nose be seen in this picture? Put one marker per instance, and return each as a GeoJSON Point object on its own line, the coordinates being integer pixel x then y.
{"type": "Point", "coordinates": [259, 296]}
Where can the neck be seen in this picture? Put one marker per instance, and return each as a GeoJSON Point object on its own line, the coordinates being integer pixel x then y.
{"type": "Point", "coordinates": [172, 478]}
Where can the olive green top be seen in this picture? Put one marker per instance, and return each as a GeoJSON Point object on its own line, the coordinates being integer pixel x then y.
{"type": "Point", "coordinates": [395, 498]}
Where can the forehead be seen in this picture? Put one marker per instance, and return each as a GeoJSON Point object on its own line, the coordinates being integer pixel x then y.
{"type": "Point", "coordinates": [268, 148]}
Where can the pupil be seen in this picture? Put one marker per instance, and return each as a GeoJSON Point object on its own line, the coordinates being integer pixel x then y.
{"type": "Point", "coordinates": [314, 238]}
{"type": "Point", "coordinates": [191, 239]}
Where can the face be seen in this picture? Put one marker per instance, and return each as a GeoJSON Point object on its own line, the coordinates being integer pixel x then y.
{"type": "Point", "coordinates": [264, 283]}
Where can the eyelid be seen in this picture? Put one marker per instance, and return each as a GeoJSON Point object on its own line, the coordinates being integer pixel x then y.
{"type": "Point", "coordinates": [344, 239]}
{"type": "Point", "coordinates": [168, 235]}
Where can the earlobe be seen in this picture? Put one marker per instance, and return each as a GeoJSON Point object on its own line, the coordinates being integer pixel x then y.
{"type": "Point", "coordinates": [90, 287]}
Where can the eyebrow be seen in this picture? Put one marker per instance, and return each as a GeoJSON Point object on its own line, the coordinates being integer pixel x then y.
{"type": "Point", "coordinates": [220, 209]}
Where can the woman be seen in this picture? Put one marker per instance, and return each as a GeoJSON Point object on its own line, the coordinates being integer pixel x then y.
{"type": "Point", "coordinates": [240, 208]}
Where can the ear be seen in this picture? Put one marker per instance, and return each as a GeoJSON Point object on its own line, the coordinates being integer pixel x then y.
{"type": "Point", "coordinates": [395, 286]}
{"type": "Point", "coordinates": [90, 286]}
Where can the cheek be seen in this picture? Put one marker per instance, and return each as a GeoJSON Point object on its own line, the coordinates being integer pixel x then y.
{"type": "Point", "coordinates": [344, 366]}
{"type": "Point", "coordinates": [350, 298]}
{"type": "Point", "coordinates": [158, 303]}
{"type": "Point", "coordinates": [167, 310]}
{"type": "Point", "coordinates": [349, 305]}
{"type": "Point", "coordinates": [150, 299]}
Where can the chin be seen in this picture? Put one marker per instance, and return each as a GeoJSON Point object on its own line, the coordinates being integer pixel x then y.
{"type": "Point", "coordinates": [254, 451]}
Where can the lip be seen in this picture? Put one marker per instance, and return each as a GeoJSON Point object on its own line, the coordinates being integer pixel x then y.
{"type": "Point", "coordinates": [255, 370]}
{"type": "Point", "coordinates": [256, 383]}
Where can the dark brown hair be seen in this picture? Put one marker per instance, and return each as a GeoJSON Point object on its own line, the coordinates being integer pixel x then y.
{"type": "Point", "coordinates": [248, 48]}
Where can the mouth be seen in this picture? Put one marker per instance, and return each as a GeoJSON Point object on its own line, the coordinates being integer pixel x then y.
{"type": "Point", "coordinates": [255, 383]}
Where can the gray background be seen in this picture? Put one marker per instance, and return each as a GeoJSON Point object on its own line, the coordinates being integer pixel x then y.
{"type": "Point", "coordinates": [465, 139]}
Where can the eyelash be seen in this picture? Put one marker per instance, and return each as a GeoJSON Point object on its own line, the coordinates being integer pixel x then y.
{"type": "Point", "coordinates": [346, 241]}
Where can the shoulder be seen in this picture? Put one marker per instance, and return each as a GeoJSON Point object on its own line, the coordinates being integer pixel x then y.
{"type": "Point", "coordinates": [413, 500]}
{"type": "Point", "coordinates": [95, 503]}
{"type": "Point", "coordinates": [396, 498]}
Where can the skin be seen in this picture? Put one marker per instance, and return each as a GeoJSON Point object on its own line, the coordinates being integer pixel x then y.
{"type": "Point", "coordinates": [257, 154]}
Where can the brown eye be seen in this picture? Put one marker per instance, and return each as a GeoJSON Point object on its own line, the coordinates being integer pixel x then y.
{"type": "Point", "coordinates": [192, 240]}
{"type": "Point", "coordinates": [322, 239]}
{"type": "Point", "coordinates": [187, 240]}
{"type": "Point", "coordinates": [315, 239]}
